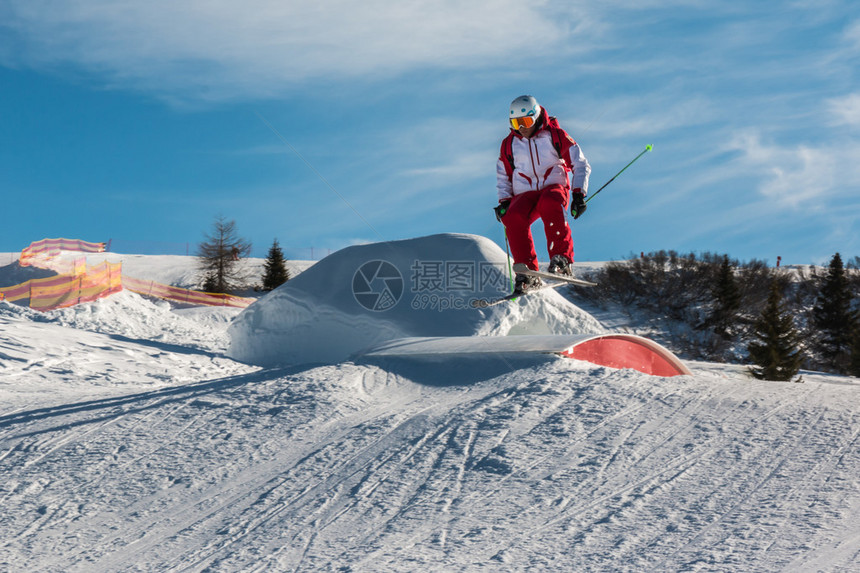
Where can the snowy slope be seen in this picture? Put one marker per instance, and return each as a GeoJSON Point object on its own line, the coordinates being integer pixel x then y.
{"type": "Point", "coordinates": [130, 442]}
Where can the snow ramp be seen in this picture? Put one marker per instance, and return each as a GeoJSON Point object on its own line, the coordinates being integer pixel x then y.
{"type": "Point", "coordinates": [366, 295]}
{"type": "Point", "coordinates": [611, 350]}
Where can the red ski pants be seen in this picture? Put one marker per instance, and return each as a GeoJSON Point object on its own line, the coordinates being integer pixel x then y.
{"type": "Point", "coordinates": [550, 204]}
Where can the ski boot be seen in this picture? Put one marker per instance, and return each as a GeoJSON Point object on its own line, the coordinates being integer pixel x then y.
{"type": "Point", "coordinates": [526, 283]}
{"type": "Point", "coordinates": [560, 265]}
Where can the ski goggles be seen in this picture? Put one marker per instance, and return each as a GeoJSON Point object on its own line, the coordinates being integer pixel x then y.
{"type": "Point", "coordinates": [526, 122]}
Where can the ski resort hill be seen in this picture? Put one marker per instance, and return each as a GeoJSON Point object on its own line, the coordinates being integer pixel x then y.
{"type": "Point", "coordinates": [140, 435]}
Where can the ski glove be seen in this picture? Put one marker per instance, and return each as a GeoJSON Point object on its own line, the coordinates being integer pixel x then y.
{"type": "Point", "coordinates": [501, 209]}
{"type": "Point", "coordinates": [577, 204]}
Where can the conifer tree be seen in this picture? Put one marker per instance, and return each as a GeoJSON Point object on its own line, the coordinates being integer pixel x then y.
{"type": "Point", "coordinates": [276, 272]}
{"type": "Point", "coordinates": [775, 350]}
{"type": "Point", "coordinates": [218, 258]}
{"type": "Point", "coordinates": [834, 319]}
{"type": "Point", "coordinates": [854, 367]}
{"type": "Point", "coordinates": [727, 301]}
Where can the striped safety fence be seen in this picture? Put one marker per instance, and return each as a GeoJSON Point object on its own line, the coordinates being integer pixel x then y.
{"type": "Point", "coordinates": [63, 291]}
{"type": "Point", "coordinates": [78, 282]}
{"type": "Point", "coordinates": [177, 294]}
{"type": "Point", "coordinates": [66, 290]}
{"type": "Point", "coordinates": [49, 248]}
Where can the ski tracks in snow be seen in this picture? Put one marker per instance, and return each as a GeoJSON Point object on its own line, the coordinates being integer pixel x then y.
{"type": "Point", "coordinates": [558, 464]}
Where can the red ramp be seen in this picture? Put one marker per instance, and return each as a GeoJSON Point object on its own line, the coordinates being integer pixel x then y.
{"type": "Point", "coordinates": [627, 351]}
{"type": "Point", "coordinates": [612, 350]}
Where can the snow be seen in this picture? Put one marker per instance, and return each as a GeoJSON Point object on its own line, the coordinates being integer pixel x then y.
{"type": "Point", "coordinates": [320, 316]}
{"type": "Point", "coordinates": [131, 441]}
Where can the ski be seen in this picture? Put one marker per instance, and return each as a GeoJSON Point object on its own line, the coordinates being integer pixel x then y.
{"type": "Point", "coordinates": [485, 302]}
{"type": "Point", "coordinates": [520, 268]}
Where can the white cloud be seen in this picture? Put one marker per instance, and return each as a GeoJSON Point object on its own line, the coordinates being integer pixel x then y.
{"type": "Point", "coordinates": [852, 34]}
{"type": "Point", "coordinates": [845, 110]}
{"type": "Point", "coordinates": [626, 116]}
{"type": "Point", "coordinates": [216, 49]}
{"type": "Point", "coordinates": [799, 175]}
{"type": "Point", "coordinates": [463, 167]}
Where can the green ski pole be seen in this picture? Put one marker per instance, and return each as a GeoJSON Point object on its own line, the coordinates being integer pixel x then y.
{"type": "Point", "coordinates": [508, 252]}
{"type": "Point", "coordinates": [648, 148]}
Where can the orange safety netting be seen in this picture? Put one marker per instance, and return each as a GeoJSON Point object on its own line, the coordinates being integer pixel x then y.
{"type": "Point", "coordinates": [48, 248]}
{"type": "Point", "coordinates": [78, 282]}
{"type": "Point", "coordinates": [87, 284]}
{"type": "Point", "coordinates": [68, 290]}
{"type": "Point", "coordinates": [177, 294]}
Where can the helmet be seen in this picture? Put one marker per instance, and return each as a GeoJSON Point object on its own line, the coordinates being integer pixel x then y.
{"type": "Point", "coordinates": [524, 106]}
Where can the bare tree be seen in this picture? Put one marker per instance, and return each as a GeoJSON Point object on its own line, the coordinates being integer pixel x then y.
{"type": "Point", "coordinates": [219, 257]}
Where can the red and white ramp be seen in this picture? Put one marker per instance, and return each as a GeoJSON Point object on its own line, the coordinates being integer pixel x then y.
{"type": "Point", "coordinates": [612, 350]}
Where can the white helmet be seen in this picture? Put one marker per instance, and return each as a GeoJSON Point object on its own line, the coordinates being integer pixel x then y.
{"type": "Point", "coordinates": [525, 106]}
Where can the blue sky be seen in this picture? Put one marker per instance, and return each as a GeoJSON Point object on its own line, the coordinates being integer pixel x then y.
{"type": "Point", "coordinates": [330, 123]}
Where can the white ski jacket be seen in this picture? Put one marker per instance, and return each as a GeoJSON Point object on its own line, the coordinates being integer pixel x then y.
{"type": "Point", "coordinates": [537, 165]}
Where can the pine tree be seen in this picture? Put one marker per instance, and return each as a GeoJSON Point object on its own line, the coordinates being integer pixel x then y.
{"type": "Point", "coordinates": [775, 351]}
{"type": "Point", "coordinates": [834, 319]}
{"type": "Point", "coordinates": [854, 367]}
{"type": "Point", "coordinates": [218, 258]}
{"type": "Point", "coordinates": [276, 272]}
{"type": "Point", "coordinates": [727, 301]}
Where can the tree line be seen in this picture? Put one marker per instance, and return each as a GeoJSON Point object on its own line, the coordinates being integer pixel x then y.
{"type": "Point", "coordinates": [219, 258]}
{"type": "Point", "coordinates": [715, 308]}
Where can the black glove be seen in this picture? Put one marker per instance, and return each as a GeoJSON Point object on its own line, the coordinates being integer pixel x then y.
{"type": "Point", "coordinates": [501, 209]}
{"type": "Point", "coordinates": [577, 204]}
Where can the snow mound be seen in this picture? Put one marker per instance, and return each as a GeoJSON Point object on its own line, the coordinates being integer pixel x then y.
{"type": "Point", "coordinates": [364, 295]}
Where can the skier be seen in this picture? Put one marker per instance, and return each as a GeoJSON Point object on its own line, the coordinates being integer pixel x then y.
{"type": "Point", "coordinates": [532, 178]}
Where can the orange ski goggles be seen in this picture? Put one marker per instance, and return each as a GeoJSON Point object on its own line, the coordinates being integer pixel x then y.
{"type": "Point", "coordinates": [526, 122]}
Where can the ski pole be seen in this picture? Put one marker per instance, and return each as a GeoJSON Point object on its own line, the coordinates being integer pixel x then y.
{"type": "Point", "coordinates": [648, 148]}
{"type": "Point", "coordinates": [508, 252]}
